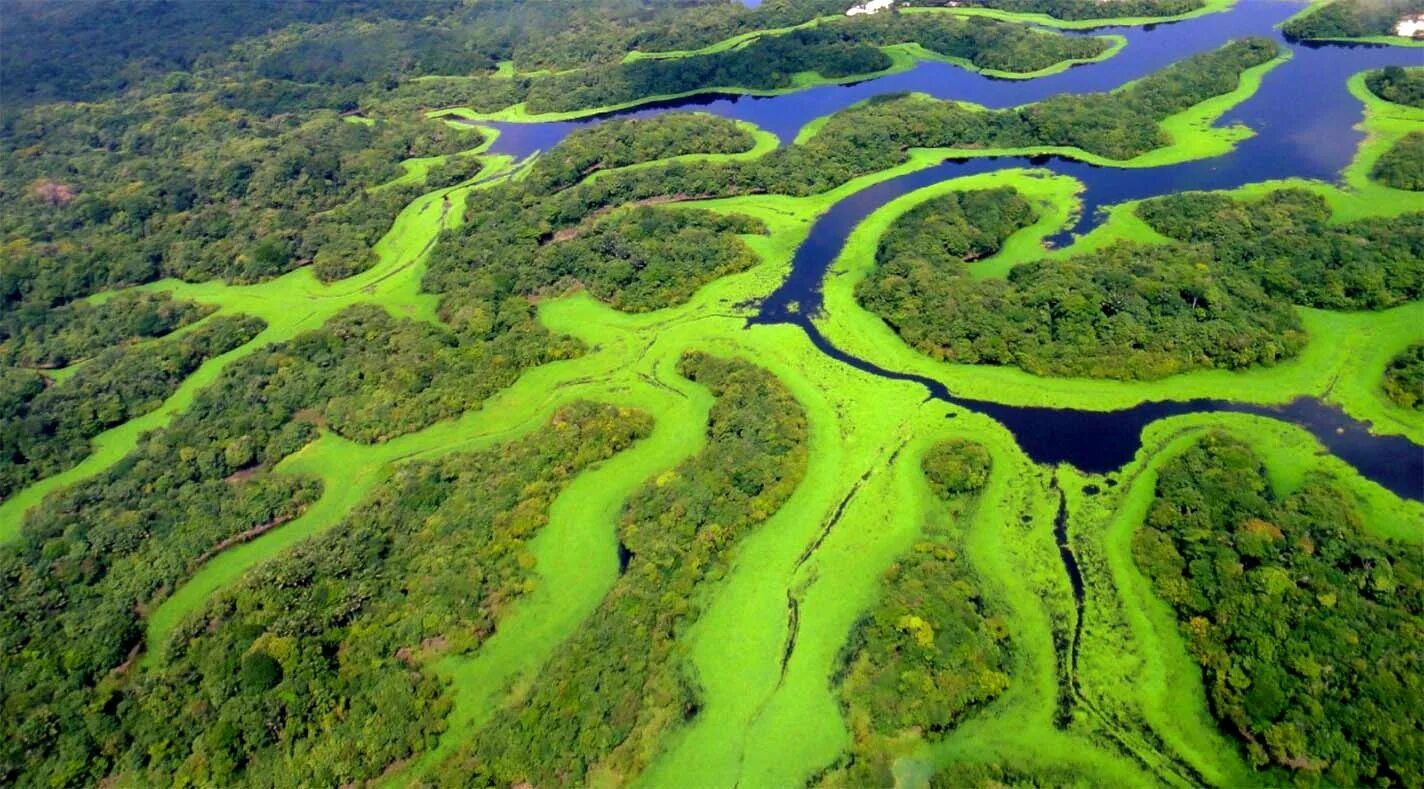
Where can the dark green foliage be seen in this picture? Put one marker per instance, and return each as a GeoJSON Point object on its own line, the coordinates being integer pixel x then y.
{"type": "Point", "coordinates": [642, 258]}
{"type": "Point", "coordinates": [601, 37]}
{"type": "Point", "coordinates": [837, 48]}
{"type": "Point", "coordinates": [1404, 378]}
{"type": "Point", "coordinates": [260, 672]}
{"type": "Point", "coordinates": [50, 430]}
{"type": "Point", "coordinates": [1284, 241]}
{"type": "Point", "coordinates": [617, 684]}
{"type": "Point", "coordinates": [32, 336]}
{"type": "Point", "coordinates": [877, 134]}
{"type": "Point", "coordinates": [95, 200]}
{"type": "Point", "coordinates": [368, 377]}
{"type": "Point", "coordinates": [1306, 626]}
{"type": "Point", "coordinates": [930, 651]}
{"type": "Point", "coordinates": [956, 228]}
{"type": "Point", "coordinates": [993, 775]}
{"type": "Point", "coordinates": [533, 238]}
{"type": "Point", "coordinates": [956, 466]}
{"type": "Point", "coordinates": [1123, 312]}
{"type": "Point", "coordinates": [341, 631]}
{"type": "Point", "coordinates": [1351, 19]}
{"type": "Point", "coordinates": [638, 258]}
{"type": "Point", "coordinates": [1399, 85]}
{"type": "Point", "coordinates": [1082, 9]}
{"type": "Point", "coordinates": [99, 553]}
{"type": "Point", "coordinates": [88, 565]}
{"type": "Point", "coordinates": [369, 52]}
{"type": "Point", "coordinates": [621, 142]}
{"type": "Point", "coordinates": [125, 43]}
{"type": "Point", "coordinates": [1402, 166]}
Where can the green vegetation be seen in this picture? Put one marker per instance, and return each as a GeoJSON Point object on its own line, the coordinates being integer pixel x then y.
{"type": "Point", "coordinates": [32, 336]}
{"type": "Point", "coordinates": [1399, 85]}
{"type": "Point", "coordinates": [1404, 378]}
{"type": "Point", "coordinates": [1366, 20]}
{"type": "Point", "coordinates": [1074, 10]}
{"type": "Point", "coordinates": [623, 142]}
{"type": "Point", "coordinates": [1402, 167]}
{"type": "Point", "coordinates": [614, 686]}
{"type": "Point", "coordinates": [1300, 619]}
{"type": "Point", "coordinates": [96, 201]}
{"type": "Point", "coordinates": [870, 137]}
{"type": "Point", "coordinates": [835, 49]}
{"type": "Point", "coordinates": [1221, 299]}
{"type": "Point", "coordinates": [928, 653]}
{"type": "Point", "coordinates": [503, 487]}
{"type": "Point", "coordinates": [47, 428]}
{"type": "Point", "coordinates": [120, 46]}
{"type": "Point", "coordinates": [441, 548]}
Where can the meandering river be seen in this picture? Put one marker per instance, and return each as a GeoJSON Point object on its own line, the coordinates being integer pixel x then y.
{"type": "Point", "coordinates": [1303, 117]}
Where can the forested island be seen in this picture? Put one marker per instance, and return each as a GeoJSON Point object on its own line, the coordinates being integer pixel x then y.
{"type": "Point", "coordinates": [496, 394]}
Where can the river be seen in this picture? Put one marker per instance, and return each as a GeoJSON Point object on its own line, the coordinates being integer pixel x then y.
{"type": "Point", "coordinates": [1303, 118]}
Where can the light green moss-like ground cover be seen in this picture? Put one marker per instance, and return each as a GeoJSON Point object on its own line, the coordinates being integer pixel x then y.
{"type": "Point", "coordinates": [1133, 661]}
{"type": "Point", "coordinates": [1394, 41]}
{"type": "Point", "coordinates": [1209, 7]}
{"type": "Point", "coordinates": [1343, 366]}
{"type": "Point", "coordinates": [902, 58]}
{"type": "Point", "coordinates": [768, 714]}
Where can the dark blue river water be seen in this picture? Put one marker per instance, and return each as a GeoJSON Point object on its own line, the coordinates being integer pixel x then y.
{"type": "Point", "coordinates": [1303, 118]}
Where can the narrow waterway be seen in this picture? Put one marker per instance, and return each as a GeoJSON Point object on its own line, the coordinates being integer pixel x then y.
{"type": "Point", "coordinates": [1303, 118]}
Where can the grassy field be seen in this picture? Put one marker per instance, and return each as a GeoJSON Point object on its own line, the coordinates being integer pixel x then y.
{"type": "Point", "coordinates": [902, 58]}
{"type": "Point", "coordinates": [1134, 712]}
{"type": "Point", "coordinates": [1387, 40]}
{"type": "Point", "coordinates": [1208, 7]}
{"type": "Point", "coordinates": [1344, 365]}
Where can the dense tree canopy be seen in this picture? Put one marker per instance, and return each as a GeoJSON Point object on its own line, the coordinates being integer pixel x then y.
{"type": "Point", "coordinates": [1123, 312]}
{"type": "Point", "coordinates": [621, 142]}
{"type": "Point", "coordinates": [1402, 166]}
{"type": "Point", "coordinates": [1404, 377]}
{"type": "Point", "coordinates": [120, 48]}
{"type": "Point", "coordinates": [1306, 625]}
{"type": "Point", "coordinates": [1351, 19]}
{"type": "Point", "coordinates": [49, 430]}
{"type": "Point", "coordinates": [932, 649]}
{"type": "Point", "coordinates": [1399, 85]}
{"type": "Point", "coordinates": [96, 200]}
{"type": "Point", "coordinates": [342, 629]}
{"type": "Point", "coordinates": [617, 684]}
{"type": "Point", "coordinates": [1220, 297]}
{"type": "Point", "coordinates": [93, 560]}
{"type": "Point", "coordinates": [1082, 9]}
{"type": "Point", "coordinates": [836, 48]}
{"type": "Point", "coordinates": [241, 141]}
{"type": "Point", "coordinates": [1285, 241]}
{"type": "Point", "coordinates": [32, 336]}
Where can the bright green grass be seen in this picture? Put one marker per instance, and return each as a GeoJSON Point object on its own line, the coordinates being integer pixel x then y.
{"type": "Point", "coordinates": [1209, 7]}
{"type": "Point", "coordinates": [1388, 40]}
{"type": "Point", "coordinates": [761, 725]}
{"type": "Point", "coordinates": [290, 304]}
{"type": "Point", "coordinates": [764, 142]}
{"type": "Point", "coordinates": [734, 42]}
{"type": "Point", "coordinates": [418, 168]}
{"type": "Point", "coordinates": [1133, 660]}
{"type": "Point", "coordinates": [902, 58]}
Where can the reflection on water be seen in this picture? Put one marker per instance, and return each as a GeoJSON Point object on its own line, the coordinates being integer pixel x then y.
{"type": "Point", "coordinates": [1303, 117]}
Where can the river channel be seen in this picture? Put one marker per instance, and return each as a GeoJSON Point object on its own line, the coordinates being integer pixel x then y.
{"type": "Point", "coordinates": [1303, 117]}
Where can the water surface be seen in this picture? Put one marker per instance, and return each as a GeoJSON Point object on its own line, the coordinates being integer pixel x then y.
{"type": "Point", "coordinates": [1303, 118]}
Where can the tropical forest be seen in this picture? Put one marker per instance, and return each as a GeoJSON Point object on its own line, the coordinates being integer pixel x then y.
{"type": "Point", "coordinates": [734, 394]}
